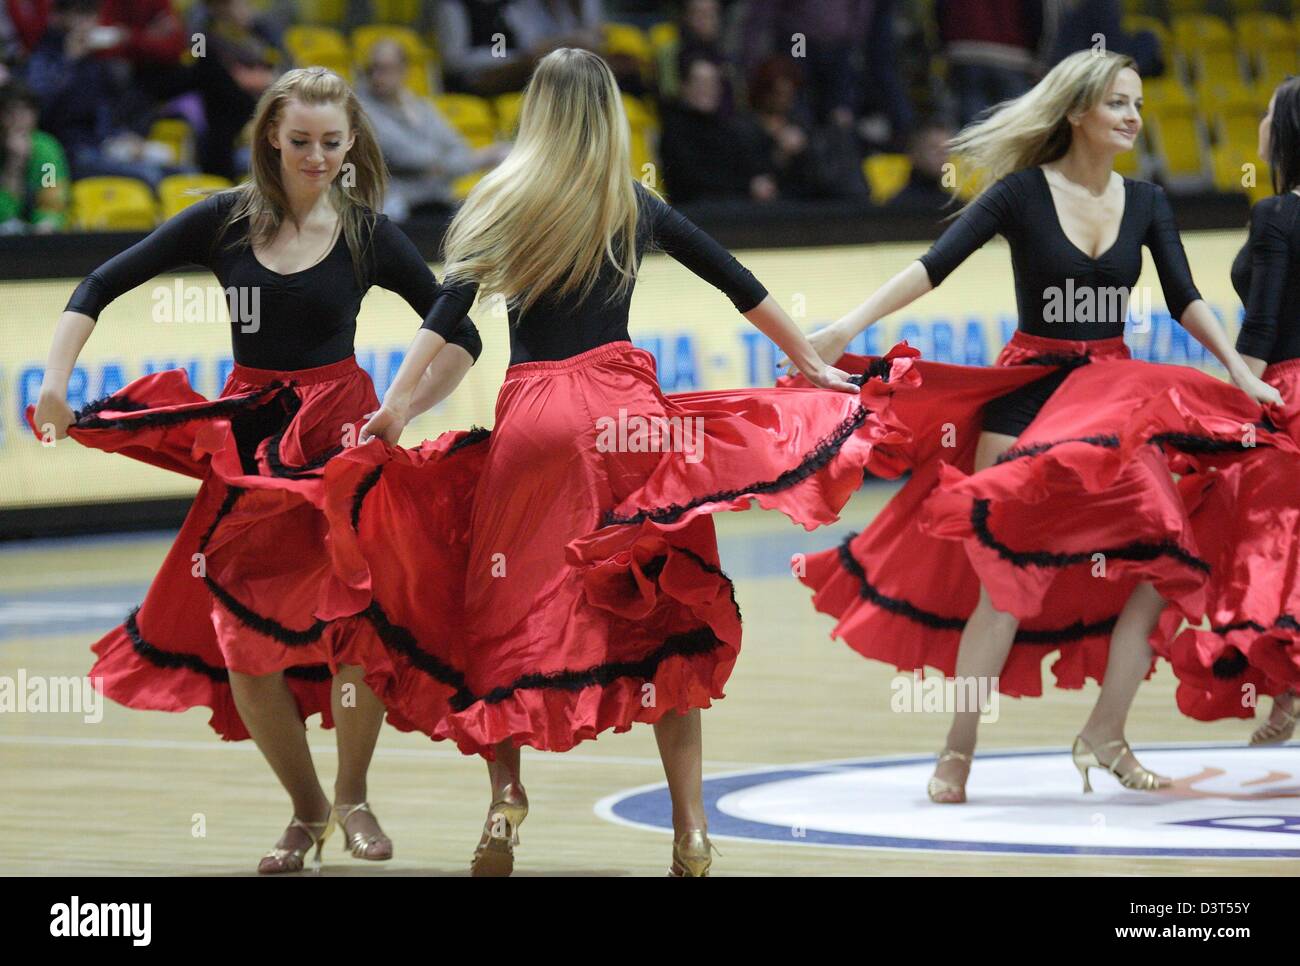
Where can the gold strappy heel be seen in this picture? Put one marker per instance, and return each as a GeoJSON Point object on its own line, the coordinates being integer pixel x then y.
{"type": "Point", "coordinates": [495, 855]}
{"type": "Point", "coordinates": [280, 859]}
{"type": "Point", "coordinates": [692, 855]}
{"type": "Point", "coordinates": [1136, 778]}
{"type": "Point", "coordinates": [359, 843]}
{"type": "Point", "coordinates": [938, 787]}
{"type": "Point", "coordinates": [1275, 734]}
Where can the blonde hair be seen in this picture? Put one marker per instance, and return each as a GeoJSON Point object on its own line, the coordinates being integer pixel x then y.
{"type": "Point", "coordinates": [1034, 128]}
{"type": "Point", "coordinates": [563, 203]}
{"type": "Point", "coordinates": [262, 198]}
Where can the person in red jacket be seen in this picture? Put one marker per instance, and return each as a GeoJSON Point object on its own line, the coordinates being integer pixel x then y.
{"type": "Point", "coordinates": [149, 32]}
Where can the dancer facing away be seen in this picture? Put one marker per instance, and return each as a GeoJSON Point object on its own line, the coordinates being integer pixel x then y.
{"type": "Point", "coordinates": [1073, 224]}
{"type": "Point", "coordinates": [1250, 514]}
{"type": "Point", "coordinates": [592, 596]}
{"type": "Point", "coordinates": [231, 615]}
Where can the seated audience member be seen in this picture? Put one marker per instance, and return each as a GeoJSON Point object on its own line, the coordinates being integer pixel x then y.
{"type": "Point", "coordinates": [706, 155]}
{"type": "Point", "coordinates": [34, 175]}
{"type": "Point", "coordinates": [425, 154]}
{"type": "Point", "coordinates": [924, 192]}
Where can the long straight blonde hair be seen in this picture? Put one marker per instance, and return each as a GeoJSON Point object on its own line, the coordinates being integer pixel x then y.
{"type": "Point", "coordinates": [562, 204]}
{"type": "Point", "coordinates": [262, 198]}
{"type": "Point", "coordinates": [1034, 128]}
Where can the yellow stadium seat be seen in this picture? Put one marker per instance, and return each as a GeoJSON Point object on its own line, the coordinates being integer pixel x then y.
{"type": "Point", "coordinates": [113, 204]}
{"type": "Point", "coordinates": [1186, 7]}
{"type": "Point", "coordinates": [507, 111]}
{"type": "Point", "coordinates": [1214, 96]}
{"type": "Point", "coordinates": [886, 175]}
{"type": "Point", "coordinates": [1207, 46]}
{"type": "Point", "coordinates": [642, 131]}
{"type": "Point", "coordinates": [319, 47]}
{"type": "Point", "coordinates": [396, 11]}
{"type": "Point", "coordinates": [471, 116]}
{"type": "Point", "coordinates": [1240, 171]}
{"type": "Point", "coordinates": [460, 188]}
{"type": "Point", "coordinates": [1255, 31]}
{"type": "Point", "coordinates": [178, 191]}
{"type": "Point", "coordinates": [418, 55]}
{"type": "Point", "coordinates": [1135, 22]}
{"type": "Point", "coordinates": [1178, 141]}
{"type": "Point", "coordinates": [1274, 65]}
{"type": "Point", "coordinates": [663, 34]}
{"type": "Point", "coordinates": [1166, 91]}
{"type": "Point", "coordinates": [1200, 31]}
{"type": "Point", "coordinates": [621, 38]}
{"type": "Point", "coordinates": [177, 134]}
{"type": "Point", "coordinates": [332, 12]}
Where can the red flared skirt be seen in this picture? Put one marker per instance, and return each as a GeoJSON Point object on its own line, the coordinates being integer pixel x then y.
{"type": "Point", "coordinates": [241, 585]}
{"type": "Point", "coordinates": [1247, 520]}
{"type": "Point", "coordinates": [559, 577]}
{"type": "Point", "coordinates": [1085, 493]}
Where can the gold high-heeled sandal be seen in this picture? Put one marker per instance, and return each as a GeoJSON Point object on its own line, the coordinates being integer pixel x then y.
{"type": "Point", "coordinates": [1275, 734]}
{"type": "Point", "coordinates": [359, 843]}
{"type": "Point", "coordinates": [938, 786]}
{"type": "Point", "coordinates": [692, 855]}
{"type": "Point", "coordinates": [495, 855]}
{"type": "Point", "coordinates": [1136, 778]}
{"type": "Point", "coordinates": [280, 859]}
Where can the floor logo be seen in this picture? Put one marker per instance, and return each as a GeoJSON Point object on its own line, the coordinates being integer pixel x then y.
{"type": "Point", "coordinates": [1227, 802]}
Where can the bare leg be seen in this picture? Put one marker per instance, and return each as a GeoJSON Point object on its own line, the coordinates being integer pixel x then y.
{"type": "Point", "coordinates": [358, 716]}
{"type": "Point", "coordinates": [1127, 665]}
{"type": "Point", "coordinates": [681, 747]}
{"type": "Point", "coordinates": [270, 713]}
{"type": "Point", "coordinates": [505, 770]}
{"type": "Point", "coordinates": [985, 643]}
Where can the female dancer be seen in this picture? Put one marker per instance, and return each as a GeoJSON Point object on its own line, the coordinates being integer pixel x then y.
{"type": "Point", "coordinates": [1250, 516]}
{"type": "Point", "coordinates": [560, 630]}
{"type": "Point", "coordinates": [231, 613]}
{"type": "Point", "coordinates": [1074, 226]}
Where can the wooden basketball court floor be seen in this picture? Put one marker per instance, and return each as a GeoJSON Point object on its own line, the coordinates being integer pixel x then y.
{"type": "Point", "coordinates": [125, 796]}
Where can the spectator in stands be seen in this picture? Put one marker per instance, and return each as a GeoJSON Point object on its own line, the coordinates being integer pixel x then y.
{"type": "Point", "coordinates": [148, 33]}
{"type": "Point", "coordinates": [925, 192]}
{"type": "Point", "coordinates": [808, 161]}
{"type": "Point", "coordinates": [699, 34]}
{"type": "Point", "coordinates": [883, 94]}
{"type": "Point", "coordinates": [34, 174]}
{"type": "Point", "coordinates": [833, 33]}
{"type": "Point", "coordinates": [77, 95]}
{"type": "Point", "coordinates": [1081, 20]}
{"type": "Point", "coordinates": [707, 155]}
{"type": "Point", "coordinates": [425, 154]}
{"type": "Point", "coordinates": [29, 18]}
{"type": "Point", "coordinates": [11, 48]}
{"type": "Point", "coordinates": [489, 46]}
{"type": "Point", "coordinates": [993, 49]}
{"type": "Point", "coordinates": [241, 59]}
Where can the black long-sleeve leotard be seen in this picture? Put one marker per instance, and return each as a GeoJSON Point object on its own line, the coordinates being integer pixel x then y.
{"type": "Point", "coordinates": [304, 319]}
{"type": "Point", "coordinates": [1266, 275]}
{"type": "Point", "coordinates": [1051, 272]}
{"type": "Point", "coordinates": [557, 328]}
{"type": "Point", "coordinates": [1044, 260]}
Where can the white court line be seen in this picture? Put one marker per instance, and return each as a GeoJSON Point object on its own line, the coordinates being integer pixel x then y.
{"type": "Point", "coordinates": [163, 744]}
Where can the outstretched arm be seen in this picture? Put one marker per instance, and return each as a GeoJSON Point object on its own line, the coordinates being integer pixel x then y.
{"type": "Point", "coordinates": [994, 211]}
{"type": "Point", "coordinates": [1186, 305]}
